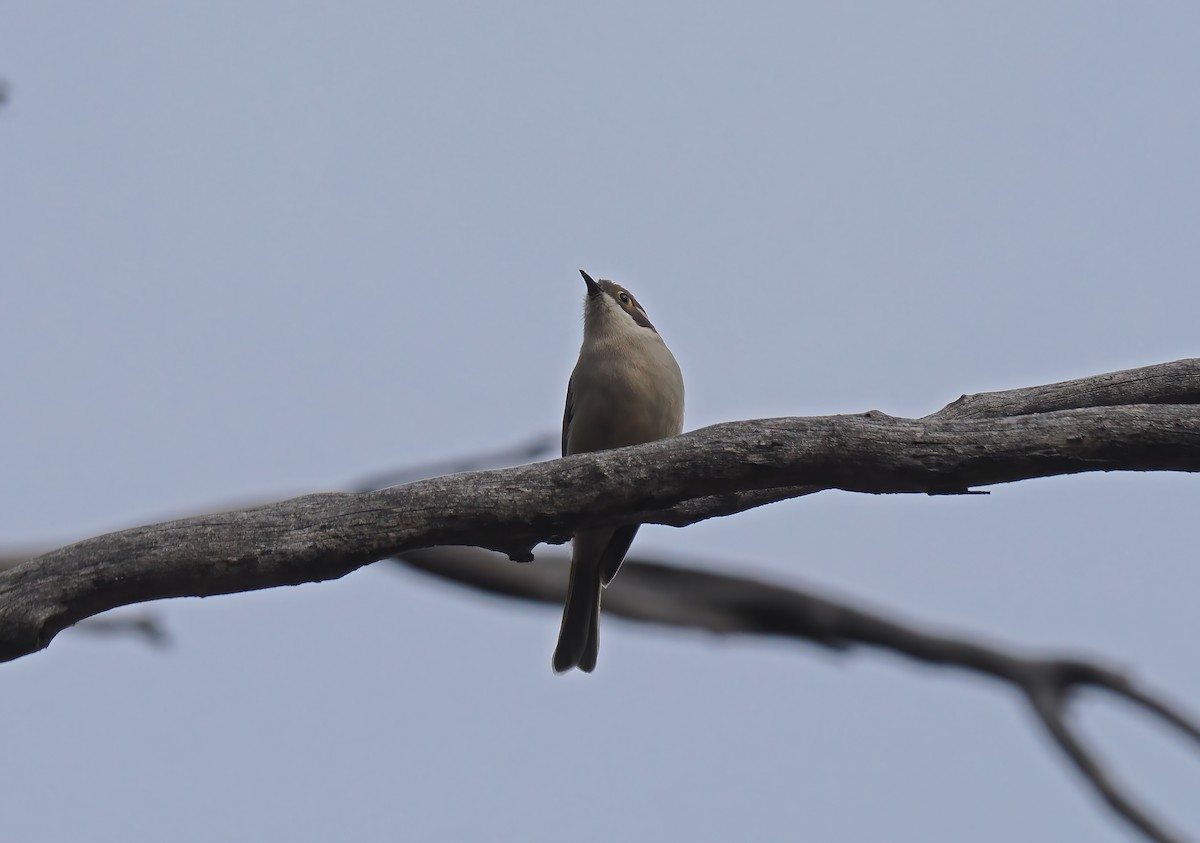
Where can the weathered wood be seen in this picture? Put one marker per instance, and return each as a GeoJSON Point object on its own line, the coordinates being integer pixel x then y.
{"type": "Point", "coordinates": [1164, 383]}
{"type": "Point", "coordinates": [719, 470]}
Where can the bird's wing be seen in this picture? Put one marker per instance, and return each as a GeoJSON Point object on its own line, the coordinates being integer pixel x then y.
{"type": "Point", "coordinates": [614, 552]}
{"type": "Point", "coordinates": [568, 414]}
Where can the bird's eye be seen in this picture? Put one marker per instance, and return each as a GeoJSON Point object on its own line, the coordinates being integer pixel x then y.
{"type": "Point", "coordinates": [624, 297]}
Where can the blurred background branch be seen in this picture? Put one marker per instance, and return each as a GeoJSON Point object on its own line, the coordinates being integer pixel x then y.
{"type": "Point", "coordinates": [650, 591]}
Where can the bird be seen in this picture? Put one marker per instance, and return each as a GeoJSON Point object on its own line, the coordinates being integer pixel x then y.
{"type": "Point", "coordinates": [626, 389]}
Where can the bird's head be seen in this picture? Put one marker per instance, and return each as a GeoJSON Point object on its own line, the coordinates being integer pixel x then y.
{"type": "Point", "coordinates": [609, 307]}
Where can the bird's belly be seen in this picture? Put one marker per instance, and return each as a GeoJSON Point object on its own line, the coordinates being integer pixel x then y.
{"type": "Point", "coordinates": [623, 412]}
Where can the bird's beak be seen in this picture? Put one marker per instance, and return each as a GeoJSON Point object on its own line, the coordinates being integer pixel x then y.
{"type": "Point", "coordinates": [593, 288]}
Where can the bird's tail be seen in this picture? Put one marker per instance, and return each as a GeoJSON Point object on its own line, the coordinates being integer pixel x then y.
{"type": "Point", "coordinates": [579, 635]}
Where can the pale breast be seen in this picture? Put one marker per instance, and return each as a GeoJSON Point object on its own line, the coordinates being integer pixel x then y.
{"type": "Point", "coordinates": [625, 395]}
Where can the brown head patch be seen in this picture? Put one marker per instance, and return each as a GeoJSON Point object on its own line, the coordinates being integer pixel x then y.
{"type": "Point", "coordinates": [626, 302]}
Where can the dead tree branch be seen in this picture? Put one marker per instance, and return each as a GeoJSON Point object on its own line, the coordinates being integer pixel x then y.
{"type": "Point", "coordinates": [718, 470]}
{"type": "Point", "coordinates": [670, 595]}
{"type": "Point", "coordinates": [1137, 420]}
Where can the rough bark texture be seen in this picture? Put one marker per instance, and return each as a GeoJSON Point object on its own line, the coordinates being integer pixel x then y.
{"type": "Point", "coordinates": [1165, 383]}
{"type": "Point", "coordinates": [1150, 424]}
{"type": "Point", "coordinates": [718, 470]}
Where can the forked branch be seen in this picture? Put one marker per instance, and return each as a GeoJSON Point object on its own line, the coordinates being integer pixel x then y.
{"type": "Point", "coordinates": [1138, 420]}
{"type": "Point", "coordinates": [669, 595]}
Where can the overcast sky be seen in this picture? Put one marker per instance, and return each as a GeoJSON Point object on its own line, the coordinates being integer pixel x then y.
{"type": "Point", "coordinates": [255, 250]}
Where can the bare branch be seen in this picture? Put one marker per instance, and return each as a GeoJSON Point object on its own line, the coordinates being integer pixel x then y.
{"type": "Point", "coordinates": [718, 470]}
{"type": "Point", "coordinates": [1049, 684]}
{"type": "Point", "coordinates": [651, 592]}
{"type": "Point", "coordinates": [1165, 383]}
{"type": "Point", "coordinates": [1139, 420]}
{"type": "Point", "coordinates": [11, 558]}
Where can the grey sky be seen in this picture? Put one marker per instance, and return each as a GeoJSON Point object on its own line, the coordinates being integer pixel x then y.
{"type": "Point", "coordinates": [249, 252]}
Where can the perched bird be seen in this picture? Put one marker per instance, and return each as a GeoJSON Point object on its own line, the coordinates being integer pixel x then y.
{"type": "Point", "coordinates": [626, 389]}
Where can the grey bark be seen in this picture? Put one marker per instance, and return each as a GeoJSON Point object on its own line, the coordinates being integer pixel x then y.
{"type": "Point", "coordinates": [719, 470]}
{"type": "Point", "coordinates": [875, 453]}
